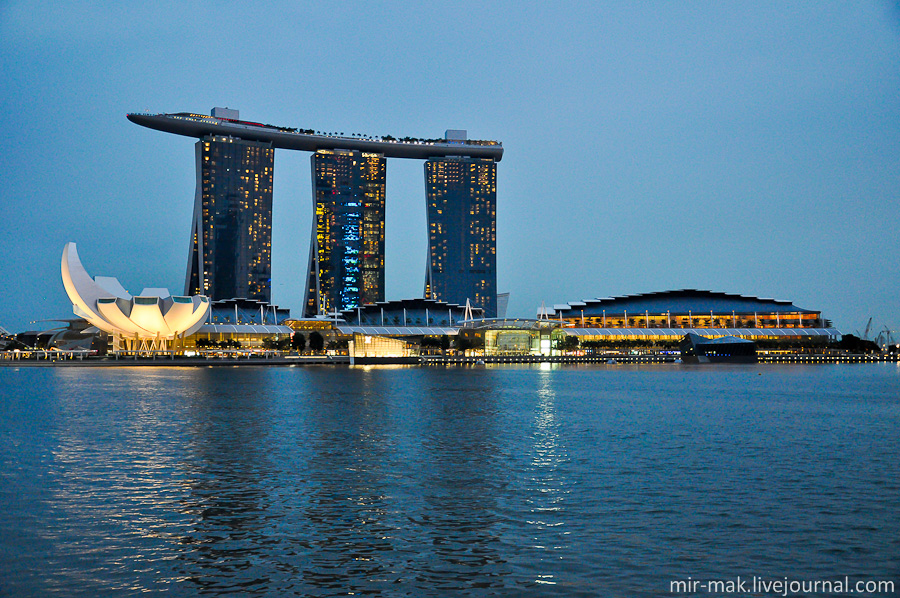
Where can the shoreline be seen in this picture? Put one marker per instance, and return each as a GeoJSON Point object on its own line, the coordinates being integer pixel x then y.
{"type": "Point", "coordinates": [427, 360]}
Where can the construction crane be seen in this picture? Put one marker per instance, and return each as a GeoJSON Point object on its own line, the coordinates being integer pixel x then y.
{"type": "Point", "coordinates": [885, 337]}
{"type": "Point", "coordinates": [865, 335]}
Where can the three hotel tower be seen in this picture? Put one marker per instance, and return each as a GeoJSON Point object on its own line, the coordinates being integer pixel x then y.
{"type": "Point", "coordinates": [231, 236]}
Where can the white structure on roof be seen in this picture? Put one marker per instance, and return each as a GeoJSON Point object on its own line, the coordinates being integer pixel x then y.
{"type": "Point", "coordinates": [147, 322]}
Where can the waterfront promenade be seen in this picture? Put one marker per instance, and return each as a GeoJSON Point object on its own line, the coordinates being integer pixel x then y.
{"type": "Point", "coordinates": [276, 358]}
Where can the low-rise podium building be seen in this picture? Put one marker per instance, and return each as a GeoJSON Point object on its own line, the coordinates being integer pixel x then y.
{"type": "Point", "coordinates": [669, 315]}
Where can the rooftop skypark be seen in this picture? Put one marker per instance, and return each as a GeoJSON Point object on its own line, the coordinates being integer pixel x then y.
{"type": "Point", "coordinates": [199, 125]}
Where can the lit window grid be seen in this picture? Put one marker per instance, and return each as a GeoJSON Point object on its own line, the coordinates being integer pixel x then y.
{"type": "Point", "coordinates": [235, 195]}
{"type": "Point", "coordinates": [349, 196]}
{"type": "Point", "coordinates": [461, 205]}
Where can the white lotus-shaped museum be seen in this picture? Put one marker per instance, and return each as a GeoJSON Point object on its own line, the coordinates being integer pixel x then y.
{"type": "Point", "coordinates": [144, 322]}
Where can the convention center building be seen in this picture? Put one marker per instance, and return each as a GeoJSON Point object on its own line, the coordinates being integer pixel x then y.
{"type": "Point", "coordinates": [669, 315]}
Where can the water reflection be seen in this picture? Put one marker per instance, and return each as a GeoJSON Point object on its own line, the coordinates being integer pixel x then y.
{"type": "Point", "coordinates": [545, 486]}
{"type": "Point", "coordinates": [318, 481]}
{"type": "Point", "coordinates": [547, 457]}
{"type": "Point", "coordinates": [462, 478]}
{"type": "Point", "coordinates": [116, 478]}
{"type": "Point", "coordinates": [348, 517]}
{"type": "Point", "coordinates": [228, 474]}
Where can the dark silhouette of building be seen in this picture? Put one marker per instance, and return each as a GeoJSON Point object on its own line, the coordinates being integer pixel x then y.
{"type": "Point", "coordinates": [346, 254]}
{"type": "Point", "coordinates": [231, 234]}
{"type": "Point", "coordinates": [461, 196]}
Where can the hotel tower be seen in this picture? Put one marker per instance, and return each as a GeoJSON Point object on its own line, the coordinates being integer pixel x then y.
{"type": "Point", "coordinates": [231, 236]}
{"type": "Point", "coordinates": [461, 197]}
{"type": "Point", "coordinates": [346, 254]}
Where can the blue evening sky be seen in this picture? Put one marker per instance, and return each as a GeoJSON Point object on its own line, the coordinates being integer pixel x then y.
{"type": "Point", "coordinates": [741, 147]}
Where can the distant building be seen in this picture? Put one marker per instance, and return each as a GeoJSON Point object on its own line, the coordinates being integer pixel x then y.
{"type": "Point", "coordinates": [502, 304]}
{"type": "Point", "coordinates": [152, 321]}
{"type": "Point", "coordinates": [461, 197]}
{"type": "Point", "coordinates": [669, 315]}
{"type": "Point", "coordinates": [76, 334]}
{"type": "Point", "coordinates": [724, 349]}
{"type": "Point", "coordinates": [346, 255]}
{"type": "Point", "coordinates": [368, 348]}
{"type": "Point", "coordinates": [512, 336]}
{"type": "Point", "coordinates": [231, 234]}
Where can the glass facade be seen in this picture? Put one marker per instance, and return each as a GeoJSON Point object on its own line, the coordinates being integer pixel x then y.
{"type": "Point", "coordinates": [346, 258]}
{"type": "Point", "coordinates": [366, 345]}
{"type": "Point", "coordinates": [231, 235]}
{"type": "Point", "coordinates": [461, 196]}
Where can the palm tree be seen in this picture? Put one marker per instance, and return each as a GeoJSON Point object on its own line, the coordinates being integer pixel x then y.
{"type": "Point", "coordinates": [316, 341]}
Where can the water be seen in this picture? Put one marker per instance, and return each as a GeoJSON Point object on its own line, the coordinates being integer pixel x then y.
{"type": "Point", "coordinates": [507, 481]}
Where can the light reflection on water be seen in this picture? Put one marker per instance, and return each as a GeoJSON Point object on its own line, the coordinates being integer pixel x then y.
{"type": "Point", "coordinates": [413, 481]}
{"type": "Point", "coordinates": [547, 480]}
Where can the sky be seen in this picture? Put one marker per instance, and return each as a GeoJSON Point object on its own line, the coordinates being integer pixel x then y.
{"type": "Point", "coordinates": [748, 148]}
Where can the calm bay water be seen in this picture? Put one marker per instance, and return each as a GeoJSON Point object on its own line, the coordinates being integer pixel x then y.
{"type": "Point", "coordinates": [509, 481]}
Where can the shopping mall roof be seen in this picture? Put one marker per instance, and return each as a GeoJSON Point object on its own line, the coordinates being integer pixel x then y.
{"type": "Point", "coordinates": [510, 323]}
{"type": "Point", "coordinates": [244, 329]}
{"type": "Point", "coordinates": [397, 330]}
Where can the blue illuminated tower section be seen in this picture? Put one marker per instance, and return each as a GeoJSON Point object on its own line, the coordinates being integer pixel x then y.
{"type": "Point", "coordinates": [346, 257]}
{"type": "Point", "coordinates": [461, 196]}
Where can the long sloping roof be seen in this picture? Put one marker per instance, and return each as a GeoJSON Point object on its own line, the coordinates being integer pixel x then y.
{"type": "Point", "coordinates": [647, 332]}
{"type": "Point", "coordinates": [678, 301]}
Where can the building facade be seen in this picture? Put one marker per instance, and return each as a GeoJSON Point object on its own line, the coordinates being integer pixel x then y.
{"type": "Point", "coordinates": [686, 309]}
{"type": "Point", "coordinates": [231, 235]}
{"type": "Point", "coordinates": [346, 255]}
{"type": "Point", "coordinates": [461, 197]}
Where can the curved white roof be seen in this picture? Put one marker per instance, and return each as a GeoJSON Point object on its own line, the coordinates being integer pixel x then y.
{"type": "Point", "coordinates": [103, 302]}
